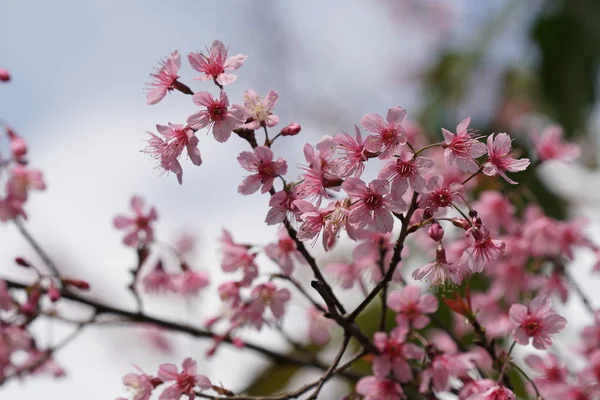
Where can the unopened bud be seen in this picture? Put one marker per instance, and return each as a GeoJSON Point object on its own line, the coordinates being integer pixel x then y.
{"type": "Point", "coordinates": [22, 262]}
{"type": "Point", "coordinates": [436, 232]}
{"type": "Point", "coordinates": [53, 293]}
{"type": "Point", "coordinates": [76, 283]}
{"type": "Point", "coordinates": [427, 213]}
{"type": "Point", "coordinates": [18, 146]}
{"type": "Point", "coordinates": [291, 130]}
{"type": "Point", "coordinates": [4, 75]}
{"type": "Point", "coordinates": [460, 223]}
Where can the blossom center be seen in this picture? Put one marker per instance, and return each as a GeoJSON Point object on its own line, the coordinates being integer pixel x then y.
{"type": "Point", "coordinates": [373, 201]}
{"type": "Point", "coordinates": [532, 326]}
{"type": "Point", "coordinates": [217, 112]}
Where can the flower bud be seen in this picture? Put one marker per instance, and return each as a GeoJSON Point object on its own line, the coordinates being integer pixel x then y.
{"type": "Point", "coordinates": [22, 262]}
{"type": "Point", "coordinates": [76, 283]}
{"type": "Point", "coordinates": [4, 75]}
{"type": "Point", "coordinates": [18, 146]}
{"type": "Point", "coordinates": [53, 292]}
{"type": "Point", "coordinates": [436, 232]}
{"type": "Point", "coordinates": [427, 213]}
{"type": "Point", "coordinates": [291, 130]}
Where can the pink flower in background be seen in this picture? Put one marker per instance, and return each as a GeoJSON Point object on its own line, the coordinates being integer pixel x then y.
{"type": "Point", "coordinates": [218, 116]}
{"type": "Point", "coordinates": [158, 338]}
{"type": "Point", "coordinates": [372, 205]}
{"type": "Point", "coordinates": [18, 146]}
{"type": "Point", "coordinates": [462, 148]}
{"type": "Point", "coordinates": [374, 388]}
{"type": "Point", "coordinates": [139, 386]}
{"type": "Point", "coordinates": [4, 75]}
{"type": "Point", "coordinates": [319, 327]}
{"type": "Point", "coordinates": [495, 393]}
{"type": "Point", "coordinates": [394, 353]}
{"type": "Point", "coordinates": [440, 272]}
{"type": "Point", "coordinates": [550, 146]}
{"type": "Point", "coordinates": [442, 368]}
{"type": "Point", "coordinates": [260, 110]}
{"type": "Point", "coordinates": [237, 256]}
{"type": "Point", "coordinates": [411, 306]}
{"type": "Point", "coordinates": [190, 282]}
{"type": "Point", "coordinates": [353, 153]}
{"type": "Point", "coordinates": [536, 321]}
{"type": "Point", "coordinates": [284, 251]}
{"type": "Point", "coordinates": [473, 388]}
{"type": "Point", "coordinates": [168, 148]}
{"type": "Point", "coordinates": [22, 180]}
{"type": "Point", "coordinates": [552, 373]}
{"type": "Point", "coordinates": [139, 226]}
{"type": "Point", "coordinates": [405, 171]}
{"type": "Point", "coordinates": [265, 169]}
{"type": "Point", "coordinates": [216, 63]}
{"type": "Point", "coordinates": [186, 381]}
{"type": "Point", "coordinates": [347, 273]}
{"type": "Point", "coordinates": [163, 79]}
{"type": "Point", "coordinates": [495, 210]}
{"type": "Point", "coordinates": [499, 160]}
{"type": "Point", "coordinates": [390, 134]}
{"type": "Point", "coordinates": [159, 281]}
{"type": "Point", "coordinates": [268, 295]}
{"type": "Point", "coordinates": [483, 251]}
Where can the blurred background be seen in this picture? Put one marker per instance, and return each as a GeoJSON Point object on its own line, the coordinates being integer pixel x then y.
{"type": "Point", "coordinates": [78, 72]}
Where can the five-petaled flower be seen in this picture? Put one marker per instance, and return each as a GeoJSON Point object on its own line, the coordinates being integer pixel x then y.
{"type": "Point", "coordinates": [186, 381]}
{"type": "Point", "coordinates": [163, 80]}
{"type": "Point", "coordinates": [500, 160]}
{"type": "Point", "coordinates": [462, 147]}
{"type": "Point", "coordinates": [411, 306]}
{"type": "Point", "coordinates": [390, 134]}
{"type": "Point", "coordinates": [537, 321]}
{"type": "Point", "coordinates": [216, 63]}
{"type": "Point", "coordinates": [260, 161]}
{"type": "Point", "coordinates": [259, 110]}
{"type": "Point", "coordinates": [140, 226]}
{"type": "Point", "coordinates": [218, 116]}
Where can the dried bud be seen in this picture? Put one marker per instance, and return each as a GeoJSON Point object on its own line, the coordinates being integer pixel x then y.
{"type": "Point", "coordinates": [291, 130]}
{"type": "Point", "coordinates": [22, 262]}
{"type": "Point", "coordinates": [436, 232]}
{"type": "Point", "coordinates": [460, 223]}
{"type": "Point", "coordinates": [427, 214]}
{"type": "Point", "coordinates": [4, 75]}
{"type": "Point", "coordinates": [76, 283]}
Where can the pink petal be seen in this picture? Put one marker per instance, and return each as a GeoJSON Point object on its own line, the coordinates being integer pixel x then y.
{"type": "Point", "coordinates": [235, 62]}
{"type": "Point", "coordinates": [203, 99]}
{"type": "Point", "coordinates": [517, 314]}
{"type": "Point", "coordinates": [121, 222]}
{"type": "Point", "coordinates": [373, 123]}
{"type": "Point", "coordinates": [250, 184]}
{"type": "Point", "coordinates": [168, 372]}
{"type": "Point", "coordinates": [226, 79]}
{"type": "Point", "coordinates": [462, 126]}
{"type": "Point", "coordinates": [395, 116]}
{"type": "Point", "coordinates": [221, 131]}
{"type": "Point", "coordinates": [189, 366]}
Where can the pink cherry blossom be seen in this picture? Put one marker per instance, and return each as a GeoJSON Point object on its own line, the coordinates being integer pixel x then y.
{"type": "Point", "coordinates": [139, 386]}
{"type": "Point", "coordinates": [312, 220]}
{"type": "Point", "coordinates": [190, 282]}
{"type": "Point", "coordinates": [407, 171]}
{"type": "Point", "coordinates": [282, 206]}
{"type": "Point", "coordinates": [268, 295]}
{"type": "Point", "coordinates": [394, 353]}
{"type": "Point", "coordinates": [390, 134]}
{"type": "Point", "coordinates": [500, 160]}
{"type": "Point", "coordinates": [284, 251]}
{"type": "Point", "coordinates": [550, 146]}
{"type": "Point", "coordinates": [411, 306]}
{"type": "Point", "coordinates": [322, 172]}
{"type": "Point", "coordinates": [4, 75]}
{"type": "Point", "coordinates": [218, 115]}
{"type": "Point", "coordinates": [336, 219]}
{"type": "Point", "coordinates": [216, 63]}
{"type": "Point", "coordinates": [369, 249]}
{"type": "Point", "coordinates": [462, 147]}
{"type": "Point", "coordinates": [168, 148]}
{"type": "Point", "coordinates": [536, 321]}
{"type": "Point", "coordinates": [229, 292]}
{"type": "Point", "coordinates": [238, 257]}
{"type": "Point", "coordinates": [18, 146]}
{"type": "Point", "coordinates": [347, 274]}
{"type": "Point", "coordinates": [260, 110]}
{"type": "Point", "coordinates": [353, 153]}
{"type": "Point", "coordinates": [374, 388]}
{"type": "Point", "coordinates": [495, 393]}
{"type": "Point", "coordinates": [319, 327]}
{"type": "Point", "coordinates": [440, 272]}
{"type": "Point", "coordinates": [495, 210]}
{"type": "Point", "coordinates": [160, 281]}
{"type": "Point", "coordinates": [163, 80]}
{"type": "Point", "coordinates": [6, 302]}
{"type": "Point", "coordinates": [260, 161]}
{"type": "Point", "coordinates": [186, 381]}
{"type": "Point", "coordinates": [372, 205]}
{"type": "Point", "coordinates": [483, 251]}
{"type": "Point", "coordinates": [22, 180]}
{"type": "Point", "coordinates": [139, 226]}
{"type": "Point", "coordinates": [552, 373]}
{"type": "Point", "coordinates": [439, 195]}
{"type": "Point", "coordinates": [442, 368]}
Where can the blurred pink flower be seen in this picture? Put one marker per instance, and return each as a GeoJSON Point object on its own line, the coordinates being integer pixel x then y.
{"type": "Point", "coordinates": [374, 388]}
{"type": "Point", "coordinates": [185, 381]}
{"type": "Point", "coordinates": [22, 180]}
{"type": "Point", "coordinates": [537, 321]}
{"type": "Point", "coordinates": [140, 226]}
{"type": "Point", "coordinates": [394, 353]}
{"type": "Point", "coordinates": [550, 146]}
{"type": "Point", "coordinates": [411, 306]}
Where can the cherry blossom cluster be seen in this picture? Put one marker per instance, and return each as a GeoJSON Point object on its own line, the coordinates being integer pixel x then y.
{"type": "Point", "coordinates": [425, 228]}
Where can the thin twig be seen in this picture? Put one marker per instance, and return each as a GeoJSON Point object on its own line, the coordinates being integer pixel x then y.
{"type": "Point", "coordinates": [331, 370]}
{"type": "Point", "coordinates": [38, 249]}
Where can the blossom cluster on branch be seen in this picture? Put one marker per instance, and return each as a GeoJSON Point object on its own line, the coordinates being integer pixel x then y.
{"type": "Point", "coordinates": [454, 203]}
